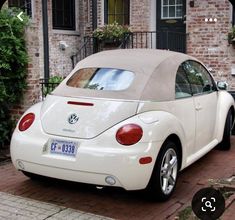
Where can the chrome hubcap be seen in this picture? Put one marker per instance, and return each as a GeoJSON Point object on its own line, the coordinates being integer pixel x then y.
{"type": "Point", "coordinates": [169, 168]}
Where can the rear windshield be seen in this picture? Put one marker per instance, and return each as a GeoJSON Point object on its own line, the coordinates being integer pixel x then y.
{"type": "Point", "coordinates": [101, 79]}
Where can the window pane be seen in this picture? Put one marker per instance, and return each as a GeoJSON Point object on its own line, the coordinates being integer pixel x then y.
{"type": "Point", "coordinates": [204, 77]}
{"type": "Point", "coordinates": [63, 12]}
{"type": "Point", "coordinates": [182, 86]}
{"type": "Point", "coordinates": [165, 12]}
{"type": "Point", "coordinates": [119, 7]}
{"type": "Point", "coordinates": [111, 19]}
{"type": "Point", "coordinates": [101, 79]}
{"type": "Point", "coordinates": [178, 11]}
{"type": "Point", "coordinates": [172, 11]}
{"type": "Point", "coordinates": [199, 78]}
{"type": "Point", "coordinates": [119, 19]}
{"type": "Point", "coordinates": [111, 6]}
{"type": "Point", "coordinates": [178, 1]}
{"type": "Point", "coordinates": [165, 2]}
{"type": "Point", "coordinates": [117, 10]}
{"type": "Point", "coordinates": [171, 2]}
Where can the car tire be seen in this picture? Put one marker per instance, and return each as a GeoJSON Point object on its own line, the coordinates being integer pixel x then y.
{"type": "Point", "coordinates": [225, 144]}
{"type": "Point", "coordinates": [165, 173]}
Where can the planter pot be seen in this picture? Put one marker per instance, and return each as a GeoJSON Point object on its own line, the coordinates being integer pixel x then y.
{"type": "Point", "coordinates": [110, 44]}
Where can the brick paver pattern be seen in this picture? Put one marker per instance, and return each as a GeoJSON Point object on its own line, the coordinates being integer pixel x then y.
{"type": "Point", "coordinates": [17, 207]}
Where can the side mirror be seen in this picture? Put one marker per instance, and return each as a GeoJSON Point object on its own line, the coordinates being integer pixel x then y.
{"type": "Point", "coordinates": [222, 85]}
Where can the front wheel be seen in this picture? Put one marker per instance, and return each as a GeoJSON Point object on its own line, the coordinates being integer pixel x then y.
{"type": "Point", "coordinates": [165, 172]}
{"type": "Point", "coordinates": [225, 144]}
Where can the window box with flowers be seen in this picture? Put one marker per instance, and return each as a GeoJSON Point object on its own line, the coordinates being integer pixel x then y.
{"type": "Point", "coordinates": [231, 37]}
{"type": "Point", "coordinates": [111, 35]}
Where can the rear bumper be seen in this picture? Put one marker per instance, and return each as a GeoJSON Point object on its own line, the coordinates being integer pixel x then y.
{"type": "Point", "coordinates": [96, 159]}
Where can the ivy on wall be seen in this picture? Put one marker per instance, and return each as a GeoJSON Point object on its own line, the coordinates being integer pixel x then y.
{"type": "Point", "coordinates": [13, 67]}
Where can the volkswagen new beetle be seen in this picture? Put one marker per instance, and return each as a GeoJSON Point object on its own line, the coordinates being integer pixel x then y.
{"type": "Point", "coordinates": [125, 118]}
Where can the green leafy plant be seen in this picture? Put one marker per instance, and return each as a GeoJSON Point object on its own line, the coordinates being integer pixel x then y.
{"type": "Point", "coordinates": [112, 31]}
{"type": "Point", "coordinates": [231, 36]}
{"type": "Point", "coordinates": [13, 67]}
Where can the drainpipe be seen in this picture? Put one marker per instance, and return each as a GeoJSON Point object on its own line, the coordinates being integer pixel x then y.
{"type": "Point", "coordinates": [45, 40]}
{"type": "Point", "coordinates": [94, 14]}
{"type": "Point", "coordinates": [94, 24]}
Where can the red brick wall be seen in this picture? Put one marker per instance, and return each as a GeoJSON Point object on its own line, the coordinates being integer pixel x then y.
{"type": "Point", "coordinates": [32, 93]}
{"type": "Point", "coordinates": [140, 15]}
{"type": "Point", "coordinates": [208, 40]}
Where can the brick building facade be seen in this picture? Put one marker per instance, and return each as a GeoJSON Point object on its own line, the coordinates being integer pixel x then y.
{"type": "Point", "coordinates": [204, 23]}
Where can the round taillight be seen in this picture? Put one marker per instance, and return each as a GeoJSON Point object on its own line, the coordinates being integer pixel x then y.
{"type": "Point", "coordinates": [26, 121]}
{"type": "Point", "coordinates": [129, 134]}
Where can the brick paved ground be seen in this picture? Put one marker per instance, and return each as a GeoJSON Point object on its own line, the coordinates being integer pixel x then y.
{"type": "Point", "coordinates": [17, 207]}
{"type": "Point", "coordinates": [117, 203]}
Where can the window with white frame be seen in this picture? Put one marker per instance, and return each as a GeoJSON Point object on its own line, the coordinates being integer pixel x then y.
{"type": "Point", "coordinates": [172, 9]}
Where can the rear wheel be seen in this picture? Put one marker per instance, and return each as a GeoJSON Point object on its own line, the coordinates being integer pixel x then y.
{"type": "Point", "coordinates": [165, 172]}
{"type": "Point", "coordinates": [225, 144]}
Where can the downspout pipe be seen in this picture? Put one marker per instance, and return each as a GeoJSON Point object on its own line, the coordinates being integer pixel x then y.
{"type": "Point", "coordinates": [94, 14]}
{"type": "Point", "coordinates": [45, 40]}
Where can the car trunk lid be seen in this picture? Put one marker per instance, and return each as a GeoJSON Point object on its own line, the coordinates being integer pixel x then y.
{"type": "Point", "coordinates": [83, 117]}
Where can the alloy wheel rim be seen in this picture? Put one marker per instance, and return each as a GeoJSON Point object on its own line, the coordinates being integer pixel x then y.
{"type": "Point", "coordinates": [168, 172]}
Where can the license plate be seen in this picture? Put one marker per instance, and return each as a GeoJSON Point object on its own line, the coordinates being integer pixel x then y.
{"type": "Point", "coordinates": [68, 148]}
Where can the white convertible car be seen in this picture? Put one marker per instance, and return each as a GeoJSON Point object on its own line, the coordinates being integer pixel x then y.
{"type": "Point", "coordinates": [125, 118]}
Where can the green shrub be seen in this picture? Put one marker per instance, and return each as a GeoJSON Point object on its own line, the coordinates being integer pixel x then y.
{"type": "Point", "coordinates": [13, 67]}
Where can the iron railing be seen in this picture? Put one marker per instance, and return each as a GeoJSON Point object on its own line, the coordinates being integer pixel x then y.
{"type": "Point", "coordinates": [47, 87]}
{"type": "Point", "coordinates": [167, 40]}
{"type": "Point", "coordinates": [88, 47]}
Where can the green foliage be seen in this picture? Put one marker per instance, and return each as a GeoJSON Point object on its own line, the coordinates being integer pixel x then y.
{"type": "Point", "coordinates": [231, 35]}
{"type": "Point", "coordinates": [112, 31]}
{"type": "Point", "coordinates": [13, 66]}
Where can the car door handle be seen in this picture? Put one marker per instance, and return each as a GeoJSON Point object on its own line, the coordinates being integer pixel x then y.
{"type": "Point", "coordinates": [198, 107]}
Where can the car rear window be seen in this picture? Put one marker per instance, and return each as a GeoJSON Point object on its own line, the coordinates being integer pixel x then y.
{"type": "Point", "coordinates": [101, 79]}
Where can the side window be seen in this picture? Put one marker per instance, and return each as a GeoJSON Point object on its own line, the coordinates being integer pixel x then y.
{"type": "Point", "coordinates": [182, 86]}
{"type": "Point", "coordinates": [199, 78]}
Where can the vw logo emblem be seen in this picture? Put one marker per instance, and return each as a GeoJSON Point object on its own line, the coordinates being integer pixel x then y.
{"type": "Point", "coordinates": [73, 118]}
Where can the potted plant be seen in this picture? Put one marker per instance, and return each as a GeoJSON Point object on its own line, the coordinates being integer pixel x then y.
{"type": "Point", "coordinates": [111, 35]}
{"type": "Point", "coordinates": [231, 36]}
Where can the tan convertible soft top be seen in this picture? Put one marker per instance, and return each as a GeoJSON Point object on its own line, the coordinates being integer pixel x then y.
{"type": "Point", "coordinates": [155, 72]}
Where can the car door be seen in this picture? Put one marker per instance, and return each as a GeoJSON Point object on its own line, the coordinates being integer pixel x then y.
{"type": "Point", "coordinates": [205, 102]}
{"type": "Point", "coordinates": [184, 109]}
